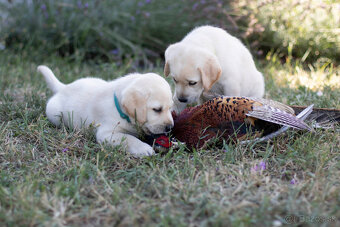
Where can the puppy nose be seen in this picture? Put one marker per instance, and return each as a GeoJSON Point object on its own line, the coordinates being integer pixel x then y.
{"type": "Point", "coordinates": [181, 99]}
{"type": "Point", "coordinates": [168, 127]}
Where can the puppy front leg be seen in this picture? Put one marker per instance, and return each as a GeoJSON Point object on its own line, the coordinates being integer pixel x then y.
{"type": "Point", "coordinates": [201, 100]}
{"type": "Point", "coordinates": [232, 90]}
{"type": "Point", "coordinates": [131, 143]}
{"type": "Point", "coordinates": [178, 106]}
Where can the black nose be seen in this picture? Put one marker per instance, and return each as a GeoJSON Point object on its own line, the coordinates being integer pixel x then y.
{"type": "Point", "coordinates": [168, 127]}
{"type": "Point", "coordinates": [181, 99]}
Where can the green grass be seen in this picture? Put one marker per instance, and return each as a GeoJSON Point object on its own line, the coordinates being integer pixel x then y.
{"type": "Point", "coordinates": [306, 29]}
{"type": "Point", "coordinates": [142, 29]}
{"type": "Point", "coordinates": [94, 29]}
{"type": "Point", "coordinates": [60, 177]}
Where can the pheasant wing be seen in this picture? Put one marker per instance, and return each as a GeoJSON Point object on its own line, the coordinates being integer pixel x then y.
{"type": "Point", "coordinates": [277, 105]}
{"type": "Point", "coordinates": [278, 116]}
{"type": "Point", "coordinates": [302, 115]}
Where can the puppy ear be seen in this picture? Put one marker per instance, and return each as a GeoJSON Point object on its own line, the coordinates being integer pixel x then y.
{"type": "Point", "coordinates": [210, 73]}
{"type": "Point", "coordinates": [166, 69]}
{"type": "Point", "coordinates": [134, 104]}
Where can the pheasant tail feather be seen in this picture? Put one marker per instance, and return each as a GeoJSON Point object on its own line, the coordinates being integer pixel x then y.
{"type": "Point", "coordinates": [321, 117]}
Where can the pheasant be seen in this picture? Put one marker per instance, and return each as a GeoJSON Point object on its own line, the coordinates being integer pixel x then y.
{"type": "Point", "coordinates": [235, 118]}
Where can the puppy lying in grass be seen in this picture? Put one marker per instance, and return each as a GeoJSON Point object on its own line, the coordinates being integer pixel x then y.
{"type": "Point", "coordinates": [115, 107]}
{"type": "Point", "coordinates": [210, 60]}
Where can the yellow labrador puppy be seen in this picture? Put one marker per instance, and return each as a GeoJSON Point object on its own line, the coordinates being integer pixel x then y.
{"type": "Point", "coordinates": [115, 107]}
{"type": "Point", "coordinates": [210, 61]}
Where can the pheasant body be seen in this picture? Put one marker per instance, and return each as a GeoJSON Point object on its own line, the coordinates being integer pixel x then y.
{"type": "Point", "coordinates": [232, 118]}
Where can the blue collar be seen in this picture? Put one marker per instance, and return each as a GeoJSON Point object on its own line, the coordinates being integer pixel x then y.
{"type": "Point", "coordinates": [122, 115]}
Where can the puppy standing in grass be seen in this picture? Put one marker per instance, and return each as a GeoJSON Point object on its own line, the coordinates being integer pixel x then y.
{"type": "Point", "coordinates": [210, 61]}
{"type": "Point", "coordinates": [114, 106]}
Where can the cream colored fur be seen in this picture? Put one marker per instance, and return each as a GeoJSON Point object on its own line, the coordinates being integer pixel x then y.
{"type": "Point", "coordinates": [217, 62]}
{"type": "Point", "coordinates": [91, 101]}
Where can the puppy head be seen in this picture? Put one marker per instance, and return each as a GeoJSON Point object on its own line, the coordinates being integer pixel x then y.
{"type": "Point", "coordinates": [148, 101]}
{"type": "Point", "coordinates": [193, 70]}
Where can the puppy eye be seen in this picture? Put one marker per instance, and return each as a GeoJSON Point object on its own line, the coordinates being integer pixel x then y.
{"type": "Point", "coordinates": [192, 83]}
{"type": "Point", "coordinates": [157, 110]}
{"type": "Point", "coordinates": [175, 80]}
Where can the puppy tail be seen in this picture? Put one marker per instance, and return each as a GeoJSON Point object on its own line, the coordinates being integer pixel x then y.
{"type": "Point", "coordinates": [52, 82]}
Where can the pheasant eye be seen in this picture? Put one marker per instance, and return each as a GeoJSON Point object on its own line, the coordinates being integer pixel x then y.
{"type": "Point", "coordinates": [157, 110]}
{"type": "Point", "coordinates": [192, 83]}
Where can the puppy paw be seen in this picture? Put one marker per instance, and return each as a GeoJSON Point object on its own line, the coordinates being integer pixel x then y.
{"type": "Point", "coordinates": [142, 150]}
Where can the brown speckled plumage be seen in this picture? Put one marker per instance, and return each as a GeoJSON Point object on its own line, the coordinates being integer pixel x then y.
{"type": "Point", "coordinates": [217, 117]}
{"type": "Point", "coordinates": [232, 118]}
